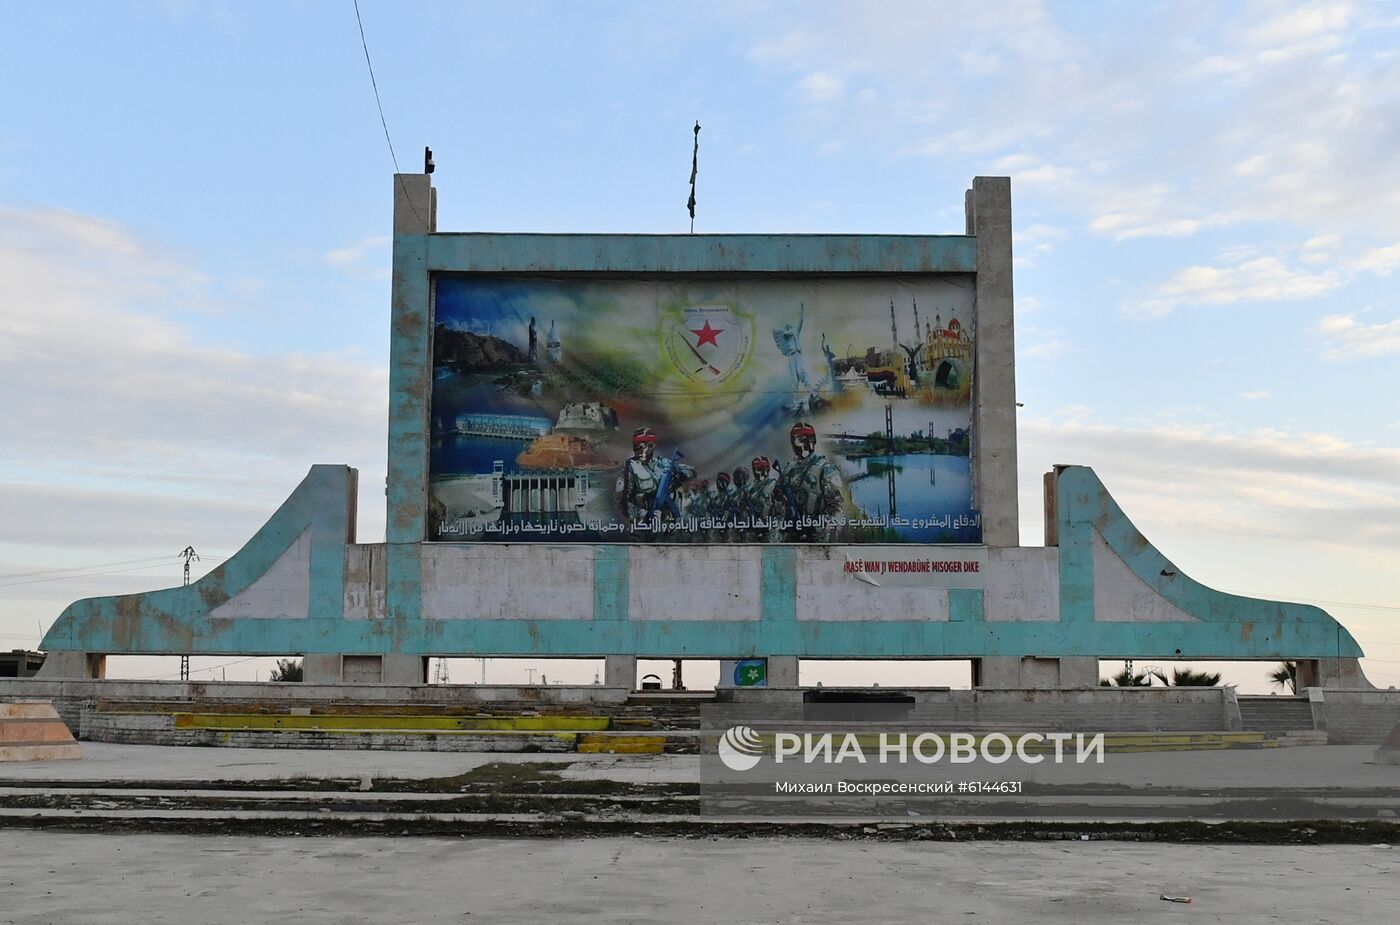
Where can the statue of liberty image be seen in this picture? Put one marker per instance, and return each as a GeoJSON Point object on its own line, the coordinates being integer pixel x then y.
{"type": "Point", "coordinates": [789, 342]}
{"type": "Point", "coordinates": [831, 377]}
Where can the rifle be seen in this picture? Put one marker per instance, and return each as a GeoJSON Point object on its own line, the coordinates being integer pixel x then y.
{"type": "Point", "coordinates": [663, 499]}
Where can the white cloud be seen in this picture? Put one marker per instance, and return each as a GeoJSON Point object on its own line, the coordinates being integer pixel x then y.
{"type": "Point", "coordinates": [1238, 113]}
{"type": "Point", "coordinates": [1320, 248]}
{"type": "Point", "coordinates": [359, 251]}
{"type": "Point", "coordinates": [97, 363]}
{"type": "Point", "coordinates": [977, 64]}
{"type": "Point", "coordinates": [821, 87]}
{"type": "Point", "coordinates": [1242, 277]}
{"type": "Point", "coordinates": [1033, 242]}
{"type": "Point", "coordinates": [1265, 484]}
{"type": "Point", "coordinates": [1310, 28]}
{"type": "Point", "coordinates": [1382, 260]}
{"type": "Point", "coordinates": [1048, 349]}
{"type": "Point", "coordinates": [1254, 396]}
{"type": "Point", "coordinates": [1351, 338]}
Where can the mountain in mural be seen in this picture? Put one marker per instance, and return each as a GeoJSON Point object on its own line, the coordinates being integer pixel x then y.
{"type": "Point", "coordinates": [464, 351]}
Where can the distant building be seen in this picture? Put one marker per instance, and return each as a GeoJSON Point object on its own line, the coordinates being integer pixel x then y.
{"type": "Point", "coordinates": [552, 348]}
{"type": "Point", "coordinates": [20, 663]}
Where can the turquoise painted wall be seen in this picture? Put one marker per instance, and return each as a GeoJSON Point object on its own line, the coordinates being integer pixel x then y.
{"type": "Point", "coordinates": [177, 620]}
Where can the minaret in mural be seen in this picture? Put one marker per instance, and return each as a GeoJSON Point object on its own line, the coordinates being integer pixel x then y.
{"type": "Point", "coordinates": [551, 345]}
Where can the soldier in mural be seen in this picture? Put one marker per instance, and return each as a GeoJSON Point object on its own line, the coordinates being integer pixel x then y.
{"type": "Point", "coordinates": [812, 488]}
{"type": "Point", "coordinates": [766, 507]}
{"type": "Point", "coordinates": [722, 507]}
{"type": "Point", "coordinates": [741, 530]}
{"type": "Point", "coordinates": [697, 509]}
{"type": "Point", "coordinates": [645, 485]}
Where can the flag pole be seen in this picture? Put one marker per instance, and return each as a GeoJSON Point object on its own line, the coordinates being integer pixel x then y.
{"type": "Point", "coordinates": [694, 171]}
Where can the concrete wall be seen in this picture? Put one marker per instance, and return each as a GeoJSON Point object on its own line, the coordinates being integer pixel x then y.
{"type": "Point", "coordinates": [1095, 709]}
{"type": "Point", "coordinates": [70, 696]}
{"type": "Point", "coordinates": [1357, 717]}
{"type": "Point", "coordinates": [1104, 591]}
{"type": "Point", "coordinates": [157, 729]}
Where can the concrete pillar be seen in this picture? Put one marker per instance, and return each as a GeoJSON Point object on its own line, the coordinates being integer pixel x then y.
{"type": "Point", "coordinates": [1032, 673]}
{"type": "Point", "coordinates": [320, 669]}
{"type": "Point", "coordinates": [1234, 722]}
{"type": "Point", "coordinates": [405, 669]}
{"type": "Point", "coordinates": [415, 204]}
{"type": "Point", "coordinates": [994, 374]}
{"type": "Point", "coordinates": [620, 671]}
{"type": "Point", "coordinates": [410, 383]}
{"type": "Point", "coordinates": [1342, 673]}
{"type": "Point", "coordinates": [73, 665]}
{"type": "Point", "coordinates": [782, 671]}
{"type": "Point", "coordinates": [1079, 671]}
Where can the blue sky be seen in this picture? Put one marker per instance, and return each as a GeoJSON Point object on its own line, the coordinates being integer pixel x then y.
{"type": "Point", "coordinates": [195, 200]}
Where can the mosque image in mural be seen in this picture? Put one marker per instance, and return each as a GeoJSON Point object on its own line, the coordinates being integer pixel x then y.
{"type": "Point", "coordinates": [703, 411]}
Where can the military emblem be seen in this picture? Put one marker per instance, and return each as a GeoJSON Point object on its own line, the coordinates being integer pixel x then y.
{"type": "Point", "coordinates": [709, 343]}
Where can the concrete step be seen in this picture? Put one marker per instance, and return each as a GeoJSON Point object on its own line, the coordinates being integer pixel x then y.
{"type": "Point", "coordinates": [1275, 714]}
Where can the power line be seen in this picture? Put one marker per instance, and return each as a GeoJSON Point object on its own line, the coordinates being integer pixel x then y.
{"type": "Point", "coordinates": [77, 575]}
{"type": "Point", "coordinates": [375, 84]}
{"type": "Point", "coordinates": [74, 568]}
{"type": "Point", "coordinates": [157, 677]}
{"type": "Point", "coordinates": [427, 154]}
{"type": "Point", "coordinates": [1306, 600]}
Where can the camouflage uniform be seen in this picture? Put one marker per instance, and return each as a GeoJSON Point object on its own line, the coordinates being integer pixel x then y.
{"type": "Point", "coordinates": [697, 506]}
{"type": "Point", "coordinates": [730, 509]}
{"type": "Point", "coordinates": [812, 487]}
{"type": "Point", "coordinates": [764, 502]}
{"type": "Point", "coordinates": [639, 481]}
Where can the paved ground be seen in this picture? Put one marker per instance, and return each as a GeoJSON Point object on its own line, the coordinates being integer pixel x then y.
{"type": "Point", "coordinates": [102, 761]}
{"type": "Point", "coordinates": [1322, 766]}
{"type": "Point", "coordinates": [81, 878]}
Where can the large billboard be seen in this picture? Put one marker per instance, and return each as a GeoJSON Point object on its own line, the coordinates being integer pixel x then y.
{"type": "Point", "coordinates": [828, 410]}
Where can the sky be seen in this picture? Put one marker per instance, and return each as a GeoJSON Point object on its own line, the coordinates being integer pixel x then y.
{"type": "Point", "coordinates": [195, 203]}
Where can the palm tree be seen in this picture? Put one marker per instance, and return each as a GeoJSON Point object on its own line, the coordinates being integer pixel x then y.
{"type": "Point", "coordinates": [1285, 677]}
{"type": "Point", "coordinates": [1127, 678]}
{"type": "Point", "coordinates": [1185, 677]}
{"type": "Point", "coordinates": [287, 670]}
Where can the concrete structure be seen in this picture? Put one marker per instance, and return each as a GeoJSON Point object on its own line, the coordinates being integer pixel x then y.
{"type": "Point", "coordinates": [1028, 617]}
{"type": "Point", "coordinates": [31, 730]}
{"type": "Point", "coordinates": [20, 663]}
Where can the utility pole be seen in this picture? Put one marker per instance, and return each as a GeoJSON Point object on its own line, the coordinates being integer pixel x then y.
{"type": "Point", "coordinates": [530, 673]}
{"type": "Point", "coordinates": [187, 554]}
{"type": "Point", "coordinates": [440, 675]}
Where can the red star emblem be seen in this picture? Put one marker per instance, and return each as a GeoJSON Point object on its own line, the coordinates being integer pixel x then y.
{"type": "Point", "coordinates": [707, 334]}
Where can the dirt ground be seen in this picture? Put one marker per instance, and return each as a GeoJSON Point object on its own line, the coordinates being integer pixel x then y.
{"type": "Point", "coordinates": [72, 877]}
